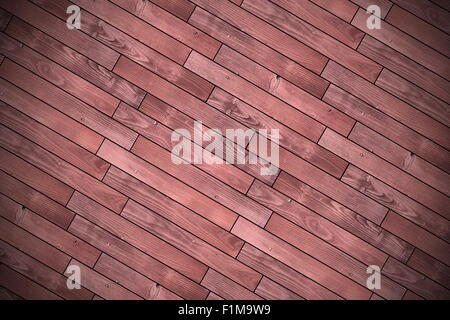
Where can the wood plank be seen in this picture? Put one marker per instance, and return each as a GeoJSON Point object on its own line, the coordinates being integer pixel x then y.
{"type": "Point", "coordinates": [176, 28]}
{"type": "Point", "coordinates": [191, 245]}
{"type": "Point", "coordinates": [284, 275]}
{"type": "Point", "coordinates": [69, 105]}
{"type": "Point", "coordinates": [414, 281]}
{"type": "Point", "coordinates": [405, 67]}
{"type": "Point", "coordinates": [75, 62]}
{"type": "Point", "coordinates": [329, 255]}
{"type": "Point", "coordinates": [60, 169]}
{"type": "Point", "coordinates": [427, 11]}
{"type": "Point", "coordinates": [23, 286]}
{"type": "Point", "coordinates": [30, 175]}
{"type": "Point", "coordinates": [173, 211]}
{"type": "Point", "coordinates": [265, 33]}
{"type": "Point", "coordinates": [40, 273]}
{"type": "Point", "coordinates": [51, 25]}
{"type": "Point", "coordinates": [168, 185]}
{"type": "Point", "coordinates": [139, 261]}
{"type": "Point", "coordinates": [5, 18]}
{"type": "Point", "coordinates": [405, 44]}
{"type": "Point", "coordinates": [316, 224]}
{"type": "Point", "coordinates": [316, 38]}
{"type": "Point", "coordinates": [252, 95]}
{"type": "Point", "coordinates": [48, 116]}
{"type": "Point", "coordinates": [270, 290]}
{"type": "Point", "coordinates": [388, 127]}
{"type": "Point", "coordinates": [137, 237]}
{"type": "Point", "coordinates": [180, 8]}
{"type": "Point", "coordinates": [284, 90]}
{"type": "Point", "coordinates": [298, 260]}
{"type": "Point", "coordinates": [53, 142]}
{"type": "Point", "coordinates": [33, 246]}
{"type": "Point", "coordinates": [414, 95]}
{"type": "Point", "coordinates": [409, 295]}
{"type": "Point", "coordinates": [161, 135]}
{"type": "Point", "coordinates": [401, 158]}
{"type": "Point", "coordinates": [260, 53]}
{"type": "Point", "coordinates": [202, 182]}
{"type": "Point", "coordinates": [57, 75]}
{"type": "Point", "coordinates": [226, 288]}
{"type": "Point", "coordinates": [395, 200]}
{"type": "Point", "coordinates": [48, 232]}
{"type": "Point", "coordinates": [431, 267]}
{"type": "Point", "coordinates": [344, 9]}
{"type": "Point", "coordinates": [387, 103]}
{"type": "Point", "coordinates": [386, 172]}
{"type": "Point", "coordinates": [132, 280]}
{"type": "Point", "coordinates": [385, 5]}
{"type": "Point", "coordinates": [417, 236]}
{"type": "Point", "coordinates": [419, 29]}
{"type": "Point", "coordinates": [6, 294]}
{"type": "Point", "coordinates": [213, 296]}
{"type": "Point", "coordinates": [343, 217]}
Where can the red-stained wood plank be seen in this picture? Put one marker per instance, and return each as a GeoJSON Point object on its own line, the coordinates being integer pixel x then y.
{"type": "Point", "coordinates": [315, 38]}
{"type": "Point", "coordinates": [387, 103]}
{"type": "Point", "coordinates": [270, 290]}
{"type": "Point", "coordinates": [48, 116]}
{"type": "Point", "coordinates": [388, 127]}
{"type": "Point", "coordinates": [40, 273]}
{"type": "Point", "coordinates": [192, 245]}
{"type": "Point", "coordinates": [329, 255]}
{"type": "Point", "coordinates": [5, 18]}
{"type": "Point", "coordinates": [168, 185]}
{"type": "Point", "coordinates": [174, 119]}
{"type": "Point", "coordinates": [48, 232]}
{"type": "Point", "coordinates": [427, 11]}
{"type": "Point", "coordinates": [386, 172]}
{"type": "Point", "coordinates": [53, 142]}
{"type": "Point", "coordinates": [285, 90]}
{"type": "Point", "coordinates": [429, 266]}
{"type": "Point", "coordinates": [137, 236]}
{"type": "Point", "coordinates": [419, 29]}
{"type": "Point", "coordinates": [397, 201]}
{"type": "Point", "coordinates": [173, 211]}
{"type": "Point", "coordinates": [171, 25]}
{"type": "Point", "coordinates": [257, 51]}
{"type": "Point", "coordinates": [299, 260]}
{"type": "Point", "coordinates": [199, 180]}
{"type": "Point", "coordinates": [417, 236]}
{"type": "Point", "coordinates": [75, 62]}
{"type": "Point", "coordinates": [409, 295]}
{"type": "Point", "coordinates": [23, 286]}
{"type": "Point", "coordinates": [252, 95]}
{"type": "Point", "coordinates": [384, 5]}
{"type": "Point", "coordinates": [56, 28]}
{"type": "Point", "coordinates": [57, 75]}
{"type": "Point", "coordinates": [316, 224]}
{"type": "Point", "coordinates": [401, 158]}
{"type": "Point", "coordinates": [29, 174]}
{"type": "Point", "coordinates": [405, 67]}
{"type": "Point", "coordinates": [33, 246]}
{"type": "Point", "coordinates": [414, 281]}
{"type": "Point", "coordinates": [344, 9]}
{"type": "Point", "coordinates": [213, 296]}
{"type": "Point", "coordinates": [284, 275]}
{"type": "Point", "coordinates": [343, 217]}
{"type": "Point", "coordinates": [142, 263]}
{"type": "Point", "coordinates": [414, 95]}
{"type": "Point", "coordinates": [69, 105]}
{"type": "Point", "coordinates": [8, 295]}
{"type": "Point", "coordinates": [405, 44]}
{"type": "Point", "coordinates": [161, 135]}
{"type": "Point", "coordinates": [265, 33]}
{"type": "Point", "coordinates": [132, 280]}
{"type": "Point", "coordinates": [226, 288]}
{"type": "Point", "coordinates": [102, 286]}
{"type": "Point", "coordinates": [60, 169]}
{"type": "Point", "coordinates": [442, 3]}
{"type": "Point", "coordinates": [180, 8]}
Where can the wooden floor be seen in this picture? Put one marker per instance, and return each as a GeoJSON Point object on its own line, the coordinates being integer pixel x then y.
{"type": "Point", "coordinates": [86, 176]}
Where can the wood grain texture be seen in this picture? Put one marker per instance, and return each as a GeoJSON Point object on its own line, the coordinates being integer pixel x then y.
{"type": "Point", "coordinates": [92, 173]}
